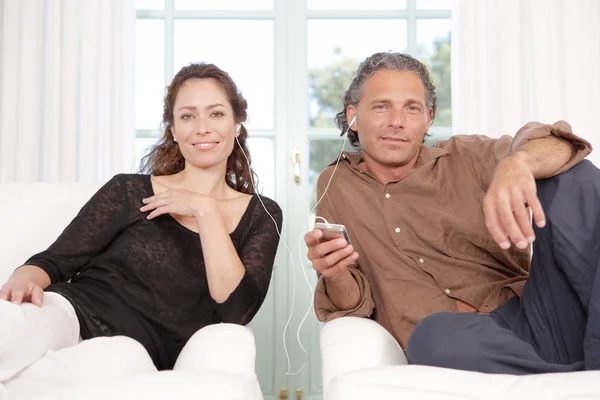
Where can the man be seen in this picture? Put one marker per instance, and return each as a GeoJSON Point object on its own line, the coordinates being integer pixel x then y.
{"type": "Point", "coordinates": [441, 236]}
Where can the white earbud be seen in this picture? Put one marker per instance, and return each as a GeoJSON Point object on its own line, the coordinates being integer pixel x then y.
{"type": "Point", "coordinates": [353, 121]}
{"type": "Point", "coordinates": [238, 129]}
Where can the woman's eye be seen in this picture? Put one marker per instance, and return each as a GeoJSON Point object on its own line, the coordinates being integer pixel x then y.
{"type": "Point", "coordinates": [186, 116]}
{"type": "Point", "coordinates": [217, 114]}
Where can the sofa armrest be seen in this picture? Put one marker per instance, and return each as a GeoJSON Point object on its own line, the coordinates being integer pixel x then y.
{"type": "Point", "coordinates": [352, 343]}
{"type": "Point", "coordinates": [220, 347]}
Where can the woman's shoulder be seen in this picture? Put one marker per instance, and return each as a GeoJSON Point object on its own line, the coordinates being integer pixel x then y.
{"type": "Point", "coordinates": [268, 203]}
{"type": "Point", "coordinates": [132, 183]}
{"type": "Point", "coordinates": [131, 179]}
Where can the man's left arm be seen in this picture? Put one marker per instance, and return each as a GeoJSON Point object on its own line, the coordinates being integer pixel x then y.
{"type": "Point", "coordinates": [538, 151]}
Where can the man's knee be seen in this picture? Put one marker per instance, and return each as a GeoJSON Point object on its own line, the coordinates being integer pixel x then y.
{"type": "Point", "coordinates": [448, 340]}
{"type": "Point", "coordinates": [580, 181]}
{"type": "Point", "coordinates": [431, 341]}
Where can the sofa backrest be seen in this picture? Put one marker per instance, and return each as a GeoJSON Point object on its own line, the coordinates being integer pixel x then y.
{"type": "Point", "coordinates": [32, 216]}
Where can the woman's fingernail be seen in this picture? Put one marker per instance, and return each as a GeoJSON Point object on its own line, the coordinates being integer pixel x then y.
{"type": "Point", "coordinates": [505, 245]}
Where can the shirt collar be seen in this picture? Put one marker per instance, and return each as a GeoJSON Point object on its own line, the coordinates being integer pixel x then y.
{"type": "Point", "coordinates": [426, 154]}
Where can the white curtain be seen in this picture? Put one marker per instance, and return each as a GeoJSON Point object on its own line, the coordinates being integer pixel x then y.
{"type": "Point", "coordinates": [519, 60]}
{"type": "Point", "coordinates": [66, 89]}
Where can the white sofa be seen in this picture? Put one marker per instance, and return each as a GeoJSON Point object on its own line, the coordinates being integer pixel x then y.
{"type": "Point", "coordinates": [32, 215]}
{"type": "Point", "coordinates": [361, 360]}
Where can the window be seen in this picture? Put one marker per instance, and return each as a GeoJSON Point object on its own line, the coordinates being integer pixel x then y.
{"type": "Point", "coordinates": [174, 33]}
{"type": "Point", "coordinates": [255, 40]}
{"type": "Point", "coordinates": [338, 41]}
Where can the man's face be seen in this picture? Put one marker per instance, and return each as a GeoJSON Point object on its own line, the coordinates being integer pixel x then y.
{"type": "Point", "coordinates": [392, 118]}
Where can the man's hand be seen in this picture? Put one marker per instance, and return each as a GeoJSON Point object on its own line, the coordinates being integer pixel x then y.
{"type": "Point", "coordinates": [512, 189]}
{"type": "Point", "coordinates": [331, 257]}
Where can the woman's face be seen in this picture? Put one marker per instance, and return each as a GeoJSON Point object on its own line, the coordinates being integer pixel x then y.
{"type": "Point", "coordinates": [204, 124]}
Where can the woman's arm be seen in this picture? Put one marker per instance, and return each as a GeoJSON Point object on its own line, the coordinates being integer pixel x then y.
{"type": "Point", "coordinates": [26, 284]}
{"type": "Point", "coordinates": [88, 234]}
{"type": "Point", "coordinates": [238, 283]}
{"type": "Point", "coordinates": [257, 256]}
{"type": "Point", "coordinates": [224, 269]}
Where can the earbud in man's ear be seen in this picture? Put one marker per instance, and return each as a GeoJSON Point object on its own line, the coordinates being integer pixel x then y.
{"type": "Point", "coordinates": [352, 122]}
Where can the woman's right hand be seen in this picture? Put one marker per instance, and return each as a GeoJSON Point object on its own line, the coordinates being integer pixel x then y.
{"type": "Point", "coordinates": [22, 291]}
{"type": "Point", "coordinates": [26, 285]}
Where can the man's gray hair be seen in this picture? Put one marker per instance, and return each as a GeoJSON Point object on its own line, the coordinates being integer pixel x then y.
{"type": "Point", "coordinates": [378, 62]}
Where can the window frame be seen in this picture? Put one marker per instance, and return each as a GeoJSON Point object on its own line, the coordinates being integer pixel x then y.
{"type": "Point", "coordinates": [290, 24]}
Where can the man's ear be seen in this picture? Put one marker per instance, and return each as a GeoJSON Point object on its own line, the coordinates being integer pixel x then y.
{"type": "Point", "coordinates": [429, 118]}
{"type": "Point", "coordinates": [351, 117]}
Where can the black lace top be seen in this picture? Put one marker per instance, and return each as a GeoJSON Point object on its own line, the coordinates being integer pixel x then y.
{"type": "Point", "coordinates": [146, 278]}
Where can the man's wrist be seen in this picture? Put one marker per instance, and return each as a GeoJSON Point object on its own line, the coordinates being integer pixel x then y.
{"type": "Point", "coordinates": [341, 278]}
{"type": "Point", "coordinates": [519, 156]}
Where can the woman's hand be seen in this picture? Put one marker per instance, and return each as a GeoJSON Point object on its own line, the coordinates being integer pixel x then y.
{"type": "Point", "coordinates": [22, 291]}
{"type": "Point", "coordinates": [26, 284]}
{"type": "Point", "coordinates": [179, 201]}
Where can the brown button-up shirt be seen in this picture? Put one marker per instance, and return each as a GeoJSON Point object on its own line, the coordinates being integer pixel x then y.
{"type": "Point", "coordinates": [422, 241]}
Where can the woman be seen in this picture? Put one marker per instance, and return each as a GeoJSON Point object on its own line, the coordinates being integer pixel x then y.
{"type": "Point", "coordinates": [156, 257]}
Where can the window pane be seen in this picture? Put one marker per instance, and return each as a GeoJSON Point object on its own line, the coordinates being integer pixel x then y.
{"type": "Point", "coordinates": [224, 4]}
{"type": "Point", "coordinates": [434, 4]}
{"type": "Point", "coordinates": [262, 153]}
{"type": "Point", "coordinates": [248, 59]}
{"type": "Point", "coordinates": [356, 4]}
{"type": "Point", "coordinates": [149, 72]}
{"type": "Point", "coordinates": [142, 146]}
{"type": "Point", "coordinates": [322, 153]}
{"type": "Point", "coordinates": [433, 44]}
{"type": "Point", "coordinates": [150, 4]}
{"type": "Point", "coordinates": [334, 52]}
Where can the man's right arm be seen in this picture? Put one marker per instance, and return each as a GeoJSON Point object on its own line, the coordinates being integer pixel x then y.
{"type": "Point", "coordinates": [343, 290]}
{"type": "Point", "coordinates": [331, 259]}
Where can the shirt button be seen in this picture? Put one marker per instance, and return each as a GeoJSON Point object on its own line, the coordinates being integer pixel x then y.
{"type": "Point", "coordinates": [387, 196]}
{"type": "Point", "coordinates": [397, 230]}
{"type": "Point", "coordinates": [447, 291]}
{"type": "Point", "coordinates": [421, 260]}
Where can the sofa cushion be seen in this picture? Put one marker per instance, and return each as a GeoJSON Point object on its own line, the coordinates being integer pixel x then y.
{"type": "Point", "coordinates": [418, 382]}
{"type": "Point", "coordinates": [207, 385]}
{"type": "Point", "coordinates": [33, 215]}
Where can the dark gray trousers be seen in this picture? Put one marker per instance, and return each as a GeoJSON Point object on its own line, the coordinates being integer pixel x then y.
{"type": "Point", "coordinates": [555, 327]}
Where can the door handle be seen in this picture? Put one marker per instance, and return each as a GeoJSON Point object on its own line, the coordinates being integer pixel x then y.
{"type": "Point", "coordinates": [283, 394]}
{"type": "Point", "coordinates": [299, 394]}
{"type": "Point", "coordinates": [296, 161]}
